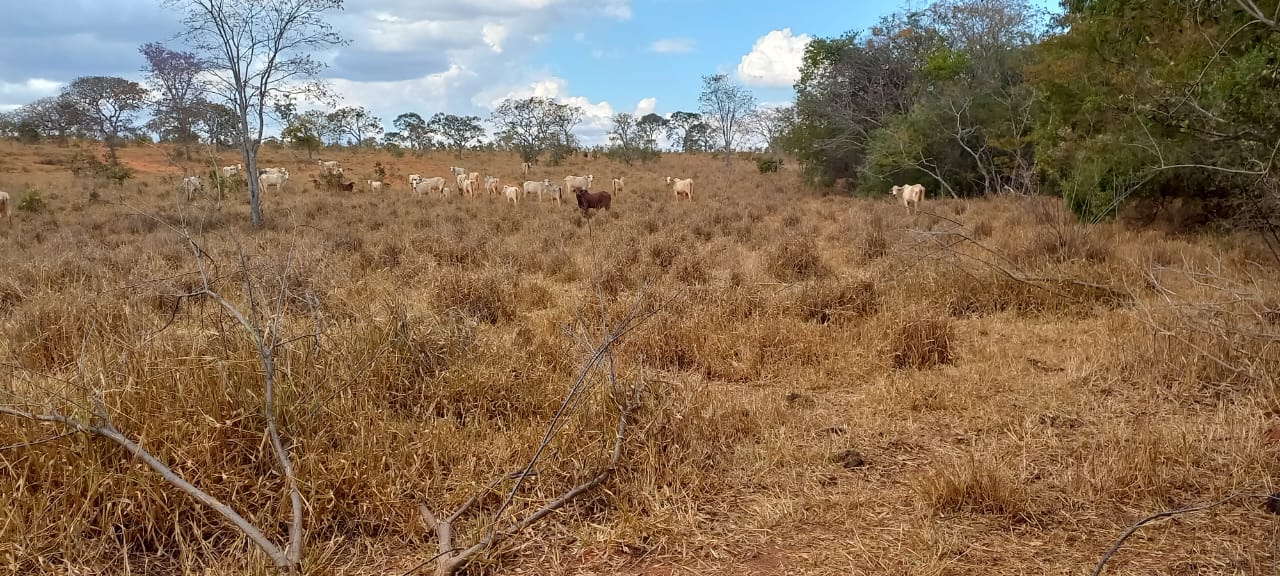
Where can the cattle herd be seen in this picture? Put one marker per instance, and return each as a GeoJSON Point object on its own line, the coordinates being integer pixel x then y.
{"type": "Point", "coordinates": [469, 184]}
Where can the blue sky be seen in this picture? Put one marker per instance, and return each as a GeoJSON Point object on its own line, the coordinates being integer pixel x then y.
{"type": "Point", "coordinates": [465, 56]}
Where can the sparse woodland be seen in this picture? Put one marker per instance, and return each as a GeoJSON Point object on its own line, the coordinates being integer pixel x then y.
{"type": "Point", "coordinates": [1065, 362]}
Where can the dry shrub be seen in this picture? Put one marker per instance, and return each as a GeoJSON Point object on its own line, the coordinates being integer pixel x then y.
{"type": "Point", "coordinates": [836, 301]}
{"type": "Point", "coordinates": [922, 344]}
{"type": "Point", "coordinates": [489, 296]}
{"type": "Point", "coordinates": [1062, 244]}
{"type": "Point", "coordinates": [692, 269]}
{"type": "Point", "coordinates": [966, 293]}
{"type": "Point", "coordinates": [974, 486]}
{"type": "Point", "coordinates": [796, 258]}
{"type": "Point", "coordinates": [873, 243]}
{"type": "Point", "coordinates": [665, 249]}
{"type": "Point", "coordinates": [53, 332]}
{"type": "Point", "coordinates": [983, 229]}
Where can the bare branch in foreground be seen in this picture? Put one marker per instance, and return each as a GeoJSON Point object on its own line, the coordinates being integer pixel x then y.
{"type": "Point", "coordinates": [1157, 516]}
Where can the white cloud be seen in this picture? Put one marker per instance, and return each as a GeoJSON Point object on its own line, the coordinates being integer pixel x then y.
{"type": "Point", "coordinates": [493, 35]}
{"type": "Point", "coordinates": [459, 56]}
{"type": "Point", "coordinates": [774, 60]}
{"type": "Point", "coordinates": [672, 46]}
{"type": "Point", "coordinates": [15, 94]}
{"type": "Point", "coordinates": [597, 117]}
{"type": "Point", "coordinates": [646, 106]}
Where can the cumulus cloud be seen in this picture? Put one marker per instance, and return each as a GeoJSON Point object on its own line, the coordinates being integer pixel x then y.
{"type": "Point", "coordinates": [597, 117]}
{"type": "Point", "coordinates": [672, 46]}
{"type": "Point", "coordinates": [422, 56]}
{"type": "Point", "coordinates": [774, 60]}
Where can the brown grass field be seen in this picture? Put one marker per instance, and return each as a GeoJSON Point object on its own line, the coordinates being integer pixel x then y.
{"type": "Point", "coordinates": [1019, 389]}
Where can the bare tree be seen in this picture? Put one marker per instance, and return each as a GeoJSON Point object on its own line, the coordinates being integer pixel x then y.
{"type": "Point", "coordinates": [353, 123]}
{"type": "Point", "coordinates": [726, 105]}
{"type": "Point", "coordinates": [257, 52]}
{"type": "Point", "coordinates": [107, 107]}
{"type": "Point", "coordinates": [179, 102]}
{"type": "Point", "coordinates": [769, 124]}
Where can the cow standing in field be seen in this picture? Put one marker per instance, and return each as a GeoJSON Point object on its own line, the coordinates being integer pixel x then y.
{"type": "Point", "coordinates": [910, 194]}
{"type": "Point", "coordinates": [589, 200]}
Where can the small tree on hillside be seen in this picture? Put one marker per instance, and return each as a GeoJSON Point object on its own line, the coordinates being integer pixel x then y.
{"type": "Point", "coordinates": [107, 107]}
{"type": "Point", "coordinates": [688, 133]}
{"type": "Point", "coordinates": [175, 80]}
{"type": "Point", "coordinates": [725, 105]}
{"type": "Point", "coordinates": [257, 52]}
{"type": "Point", "coordinates": [535, 125]}
{"type": "Point", "coordinates": [306, 131]}
{"type": "Point", "coordinates": [353, 123]}
{"type": "Point", "coordinates": [413, 131]}
{"type": "Point", "coordinates": [459, 132]}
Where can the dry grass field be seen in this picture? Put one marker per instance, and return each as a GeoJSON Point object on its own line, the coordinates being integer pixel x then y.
{"type": "Point", "coordinates": [1018, 389]}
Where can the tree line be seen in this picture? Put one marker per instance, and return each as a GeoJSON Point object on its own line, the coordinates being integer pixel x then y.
{"type": "Point", "coordinates": [1108, 104]}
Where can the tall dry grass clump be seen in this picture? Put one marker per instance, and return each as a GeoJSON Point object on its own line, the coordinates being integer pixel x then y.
{"type": "Point", "coordinates": [796, 258]}
{"type": "Point", "coordinates": [976, 485]}
{"type": "Point", "coordinates": [921, 344]}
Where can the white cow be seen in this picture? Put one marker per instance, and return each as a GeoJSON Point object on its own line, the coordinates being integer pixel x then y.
{"type": "Point", "coordinates": [575, 183]}
{"type": "Point", "coordinates": [229, 171]}
{"type": "Point", "coordinates": [191, 185]}
{"type": "Point", "coordinates": [375, 185]}
{"type": "Point", "coordinates": [533, 186]}
{"type": "Point", "coordinates": [275, 178]}
{"type": "Point", "coordinates": [6, 205]}
{"type": "Point", "coordinates": [429, 185]}
{"type": "Point", "coordinates": [457, 171]}
{"type": "Point", "coordinates": [524, 168]}
{"type": "Point", "coordinates": [511, 193]}
{"type": "Point", "coordinates": [556, 192]}
{"type": "Point", "coordinates": [910, 194]}
{"type": "Point", "coordinates": [618, 184]}
{"type": "Point", "coordinates": [681, 187]}
{"type": "Point", "coordinates": [329, 166]}
{"type": "Point", "coordinates": [491, 185]}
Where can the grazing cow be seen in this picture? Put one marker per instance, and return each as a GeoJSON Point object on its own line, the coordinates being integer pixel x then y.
{"type": "Point", "coordinates": [682, 187]}
{"type": "Point", "coordinates": [618, 183]}
{"type": "Point", "coordinates": [191, 185]}
{"type": "Point", "coordinates": [512, 193]}
{"type": "Point", "coordinates": [533, 186]}
{"type": "Point", "coordinates": [575, 183]}
{"type": "Point", "coordinates": [524, 168]}
{"type": "Point", "coordinates": [589, 200]}
{"type": "Point", "coordinates": [375, 185]}
{"type": "Point", "coordinates": [229, 171]}
{"type": "Point", "coordinates": [910, 194]}
{"type": "Point", "coordinates": [6, 205]}
{"type": "Point", "coordinates": [428, 185]}
{"type": "Point", "coordinates": [556, 192]}
{"type": "Point", "coordinates": [329, 166]}
{"type": "Point", "coordinates": [275, 178]}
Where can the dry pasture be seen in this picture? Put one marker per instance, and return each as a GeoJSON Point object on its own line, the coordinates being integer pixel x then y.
{"type": "Point", "coordinates": [833, 386]}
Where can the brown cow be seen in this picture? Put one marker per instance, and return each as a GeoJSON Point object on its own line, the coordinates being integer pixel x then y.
{"type": "Point", "coordinates": [349, 186]}
{"type": "Point", "coordinates": [589, 200]}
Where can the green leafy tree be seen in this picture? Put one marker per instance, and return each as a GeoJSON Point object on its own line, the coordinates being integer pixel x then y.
{"type": "Point", "coordinates": [458, 132]}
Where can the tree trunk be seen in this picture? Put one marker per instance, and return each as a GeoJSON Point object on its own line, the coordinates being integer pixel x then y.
{"type": "Point", "coordinates": [251, 167]}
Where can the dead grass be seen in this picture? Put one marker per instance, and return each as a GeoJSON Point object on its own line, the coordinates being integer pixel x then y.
{"type": "Point", "coordinates": [1016, 404]}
